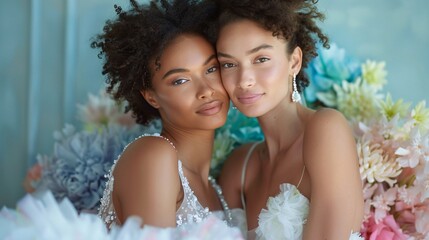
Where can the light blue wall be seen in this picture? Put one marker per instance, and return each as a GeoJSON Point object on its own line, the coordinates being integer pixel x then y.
{"type": "Point", "coordinates": [47, 66]}
{"type": "Point", "coordinates": [394, 31]}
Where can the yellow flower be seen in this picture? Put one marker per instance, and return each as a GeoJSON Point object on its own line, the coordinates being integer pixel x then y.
{"type": "Point", "coordinates": [420, 114]}
{"type": "Point", "coordinates": [374, 73]}
{"type": "Point", "coordinates": [390, 109]}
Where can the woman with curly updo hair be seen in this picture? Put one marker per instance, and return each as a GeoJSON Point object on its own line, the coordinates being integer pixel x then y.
{"type": "Point", "coordinates": [302, 181]}
{"type": "Point", "coordinates": [157, 57]}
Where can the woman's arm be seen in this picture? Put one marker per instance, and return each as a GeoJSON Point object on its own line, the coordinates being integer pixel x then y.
{"type": "Point", "coordinates": [147, 182]}
{"type": "Point", "coordinates": [336, 205]}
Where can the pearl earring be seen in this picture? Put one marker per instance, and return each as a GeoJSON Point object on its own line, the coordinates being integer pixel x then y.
{"type": "Point", "coordinates": [296, 97]}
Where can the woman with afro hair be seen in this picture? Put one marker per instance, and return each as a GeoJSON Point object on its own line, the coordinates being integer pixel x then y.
{"type": "Point", "coordinates": [302, 181]}
{"type": "Point", "coordinates": [157, 57]}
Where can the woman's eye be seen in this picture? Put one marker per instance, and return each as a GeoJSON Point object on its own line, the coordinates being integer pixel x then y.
{"type": "Point", "coordinates": [262, 59]}
{"type": "Point", "coordinates": [228, 65]}
{"type": "Point", "coordinates": [180, 81]}
{"type": "Point", "coordinates": [212, 69]}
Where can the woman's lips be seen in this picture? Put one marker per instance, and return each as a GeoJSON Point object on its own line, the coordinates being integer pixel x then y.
{"type": "Point", "coordinates": [249, 98]}
{"type": "Point", "coordinates": [211, 108]}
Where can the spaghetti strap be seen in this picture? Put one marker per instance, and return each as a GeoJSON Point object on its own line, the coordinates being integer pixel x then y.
{"type": "Point", "coordinates": [302, 176]}
{"type": "Point", "coordinates": [243, 173]}
{"type": "Point", "coordinates": [168, 140]}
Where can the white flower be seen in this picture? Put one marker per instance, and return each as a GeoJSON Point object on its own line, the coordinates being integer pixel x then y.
{"type": "Point", "coordinates": [102, 110]}
{"type": "Point", "coordinates": [391, 109]}
{"type": "Point", "coordinates": [374, 74]}
{"type": "Point", "coordinates": [285, 215]}
{"type": "Point", "coordinates": [383, 202]}
{"type": "Point", "coordinates": [357, 101]}
{"type": "Point", "coordinates": [422, 221]}
{"type": "Point", "coordinates": [417, 151]}
{"type": "Point", "coordinates": [375, 166]}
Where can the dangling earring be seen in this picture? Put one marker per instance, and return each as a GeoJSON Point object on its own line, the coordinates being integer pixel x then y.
{"type": "Point", "coordinates": [296, 97]}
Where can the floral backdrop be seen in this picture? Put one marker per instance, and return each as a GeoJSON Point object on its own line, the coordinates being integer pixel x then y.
{"type": "Point", "coordinates": [391, 135]}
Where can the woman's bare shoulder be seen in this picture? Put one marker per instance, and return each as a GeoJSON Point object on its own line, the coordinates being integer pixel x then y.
{"type": "Point", "coordinates": [146, 158]}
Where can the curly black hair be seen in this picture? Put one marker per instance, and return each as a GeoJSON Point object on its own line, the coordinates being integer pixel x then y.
{"type": "Point", "coordinates": [292, 20]}
{"type": "Point", "coordinates": [136, 39]}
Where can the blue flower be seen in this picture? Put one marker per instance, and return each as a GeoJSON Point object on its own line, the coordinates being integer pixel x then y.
{"type": "Point", "coordinates": [332, 66]}
{"type": "Point", "coordinates": [81, 159]}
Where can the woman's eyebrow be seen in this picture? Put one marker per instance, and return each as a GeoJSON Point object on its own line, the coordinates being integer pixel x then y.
{"type": "Point", "coordinates": [253, 50]}
{"type": "Point", "coordinates": [173, 71]}
{"type": "Point", "coordinates": [262, 46]}
{"type": "Point", "coordinates": [181, 70]}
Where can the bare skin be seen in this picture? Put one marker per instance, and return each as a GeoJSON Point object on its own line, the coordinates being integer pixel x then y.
{"type": "Point", "coordinates": [188, 93]}
{"type": "Point", "coordinates": [257, 74]}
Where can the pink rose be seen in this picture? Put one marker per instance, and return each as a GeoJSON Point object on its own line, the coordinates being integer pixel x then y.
{"type": "Point", "coordinates": [386, 229]}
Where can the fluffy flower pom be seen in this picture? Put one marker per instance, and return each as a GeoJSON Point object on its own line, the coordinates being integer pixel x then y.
{"type": "Point", "coordinates": [43, 218]}
{"type": "Point", "coordinates": [285, 215]}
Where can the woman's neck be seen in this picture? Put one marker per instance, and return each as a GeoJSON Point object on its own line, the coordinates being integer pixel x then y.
{"type": "Point", "coordinates": [282, 126]}
{"type": "Point", "coordinates": [194, 149]}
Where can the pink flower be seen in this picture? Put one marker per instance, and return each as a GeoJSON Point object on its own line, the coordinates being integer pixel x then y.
{"type": "Point", "coordinates": [386, 229]}
{"type": "Point", "coordinates": [33, 175]}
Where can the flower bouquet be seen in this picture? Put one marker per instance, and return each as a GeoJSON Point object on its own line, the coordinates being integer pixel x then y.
{"type": "Point", "coordinates": [392, 143]}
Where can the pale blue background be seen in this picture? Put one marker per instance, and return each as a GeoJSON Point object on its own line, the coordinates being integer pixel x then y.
{"type": "Point", "coordinates": [47, 66]}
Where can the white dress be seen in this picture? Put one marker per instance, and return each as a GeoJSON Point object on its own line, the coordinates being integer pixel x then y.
{"type": "Point", "coordinates": [285, 214]}
{"type": "Point", "coordinates": [190, 210]}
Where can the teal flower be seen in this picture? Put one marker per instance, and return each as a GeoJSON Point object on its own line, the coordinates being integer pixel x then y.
{"type": "Point", "coordinates": [332, 66]}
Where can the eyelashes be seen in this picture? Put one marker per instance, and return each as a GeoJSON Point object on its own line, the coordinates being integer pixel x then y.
{"type": "Point", "coordinates": [181, 81]}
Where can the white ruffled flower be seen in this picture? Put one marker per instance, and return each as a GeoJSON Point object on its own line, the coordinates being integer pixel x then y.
{"type": "Point", "coordinates": [285, 215]}
{"type": "Point", "coordinates": [375, 166]}
{"type": "Point", "coordinates": [374, 74]}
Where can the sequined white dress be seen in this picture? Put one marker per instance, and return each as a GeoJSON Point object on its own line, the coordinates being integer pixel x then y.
{"type": "Point", "coordinates": [189, 211]}
{"type": "Point", "coordinates": [285, 214]}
